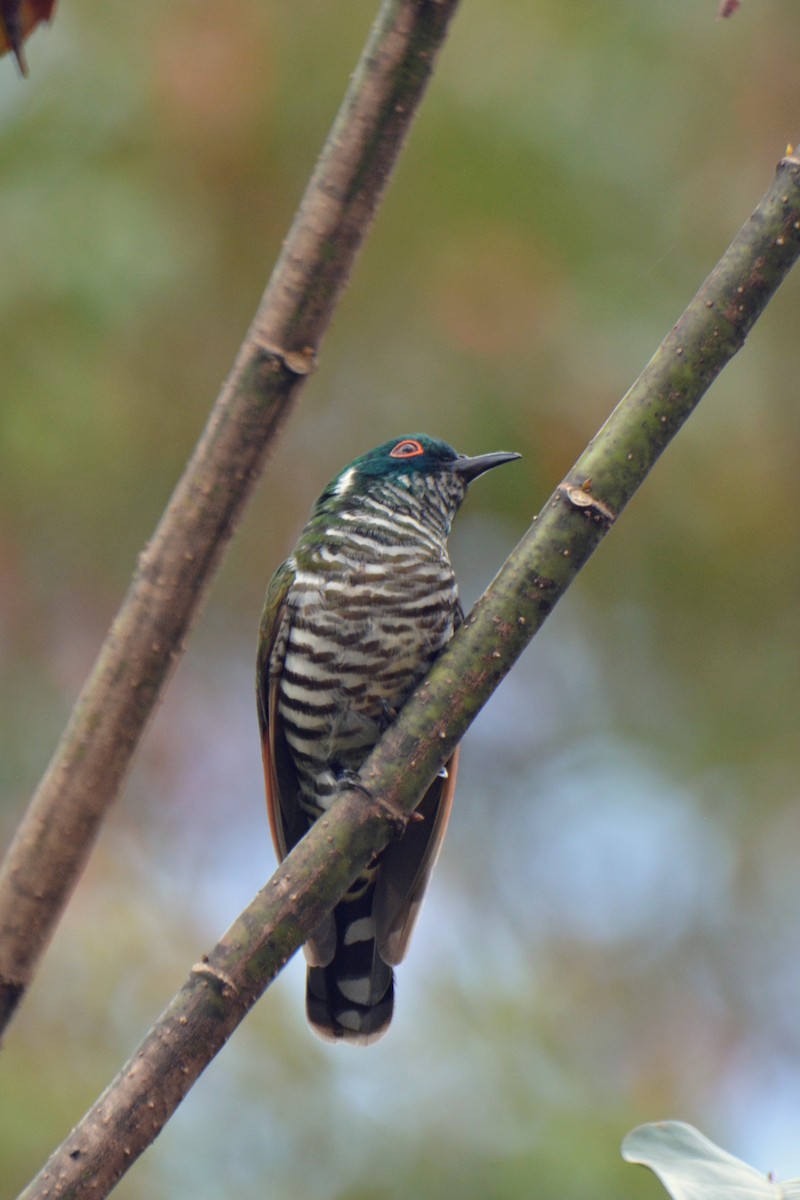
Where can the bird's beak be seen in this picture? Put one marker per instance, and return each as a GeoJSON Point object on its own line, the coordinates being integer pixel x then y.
{"type": "Point", "coordinates": [471, 468]}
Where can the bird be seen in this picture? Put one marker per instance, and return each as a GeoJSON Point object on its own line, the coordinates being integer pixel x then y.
{"type": "Point", "coordinates": [352, 622]}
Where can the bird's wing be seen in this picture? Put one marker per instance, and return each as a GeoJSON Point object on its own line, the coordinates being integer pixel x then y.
{"type": "Point", "coordinates": [407, 862]}
{"type": "Point", "coordinates": [287, 820]}
{"type": "Point", "coordinates": [406, 865]}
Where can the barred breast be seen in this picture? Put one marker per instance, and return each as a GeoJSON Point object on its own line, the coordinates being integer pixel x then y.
{"type": "Point", "coordinates": [359, 640]}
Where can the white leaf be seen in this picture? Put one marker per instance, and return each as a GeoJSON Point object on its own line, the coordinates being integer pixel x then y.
{"type": "Point", "coordinates": [692, 1168]}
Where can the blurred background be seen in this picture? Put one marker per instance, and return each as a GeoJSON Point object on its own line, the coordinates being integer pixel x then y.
{"type": "Point", "coordinates": [612, 933]}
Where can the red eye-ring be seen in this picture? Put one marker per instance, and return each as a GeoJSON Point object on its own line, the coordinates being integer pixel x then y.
{"type": "Point", "coordinates": [407, 449]}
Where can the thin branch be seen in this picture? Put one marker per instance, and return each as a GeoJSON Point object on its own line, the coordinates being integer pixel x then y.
{"type": "Point", "coordinates": [145, 641]}
{"type": "Point", "coordinates": [221, 989]}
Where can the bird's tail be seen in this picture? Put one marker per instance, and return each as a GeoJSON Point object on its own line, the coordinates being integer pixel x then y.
{"type": "Point", "coordinates": [352, 997]}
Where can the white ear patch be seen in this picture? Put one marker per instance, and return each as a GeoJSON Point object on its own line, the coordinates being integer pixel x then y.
{"type": "Point", "coordinates": [344, 482]}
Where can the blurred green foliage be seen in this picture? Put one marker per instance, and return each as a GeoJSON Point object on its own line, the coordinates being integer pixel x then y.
{"type": "Point", "coordinates": [612, 935]}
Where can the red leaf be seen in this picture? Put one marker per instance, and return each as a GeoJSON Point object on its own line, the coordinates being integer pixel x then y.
{"type": "Point", "coordinates": [17, 19]}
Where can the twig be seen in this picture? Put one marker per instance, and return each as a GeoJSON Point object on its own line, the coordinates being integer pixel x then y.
{"type": "Point", "coordinates": [218, 992]}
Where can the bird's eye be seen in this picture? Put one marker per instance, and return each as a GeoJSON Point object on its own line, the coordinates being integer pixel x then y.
{"type": "Point", "coordinates": [408, 448]}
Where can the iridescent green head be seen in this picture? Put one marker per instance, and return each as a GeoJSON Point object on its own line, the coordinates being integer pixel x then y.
{"type": "Point", "coordinates": [406, 462]}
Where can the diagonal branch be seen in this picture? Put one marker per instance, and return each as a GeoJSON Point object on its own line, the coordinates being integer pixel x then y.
{"type": "Point", "coordinates": [145, 641]}
{"type": "Point", "coordinates": [221, 989]}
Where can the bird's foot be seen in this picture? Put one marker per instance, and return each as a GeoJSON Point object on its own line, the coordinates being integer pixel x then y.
{"type": "Point", "coordinates": [348, 779]}
{"type": "Point", "coordinates": [387, 717]}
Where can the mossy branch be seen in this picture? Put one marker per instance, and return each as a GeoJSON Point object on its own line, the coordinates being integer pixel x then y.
{"type": "Point", "coordinates": [221, 989]}
{"type": "Point", "coordinates": [145, 641]}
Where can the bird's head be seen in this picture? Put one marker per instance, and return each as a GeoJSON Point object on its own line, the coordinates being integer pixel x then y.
{"type": "Point", "coordinates": [413, 464]}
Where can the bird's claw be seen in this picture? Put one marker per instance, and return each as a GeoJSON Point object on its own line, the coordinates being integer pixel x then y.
{"type": "Point", "coordinates": [397, 815]}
